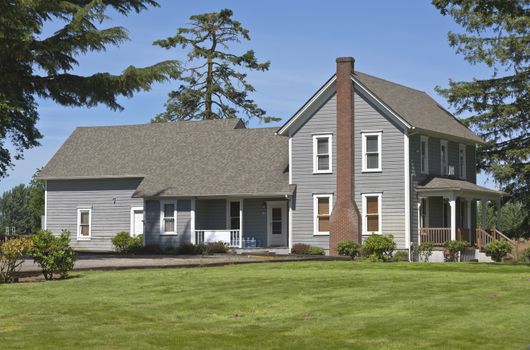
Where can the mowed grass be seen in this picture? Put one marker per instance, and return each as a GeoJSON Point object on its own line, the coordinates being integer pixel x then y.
{"type": "Point", "coordinates": [300, 305]}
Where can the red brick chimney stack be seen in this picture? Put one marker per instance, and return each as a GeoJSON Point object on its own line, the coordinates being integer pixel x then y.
{"type": "Point", "coordinates": [344, 224]}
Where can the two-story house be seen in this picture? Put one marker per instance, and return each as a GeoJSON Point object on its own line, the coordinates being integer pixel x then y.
{"type": "Point", "coordinates": [362, 156]}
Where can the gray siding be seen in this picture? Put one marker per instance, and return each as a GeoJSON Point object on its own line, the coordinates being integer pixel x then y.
{"type": "Point", "coordinates": [390, 181]}
{"type": "Point", "coordinates": [110, 200]}
{"type": "Point", "coordinates": [255, 219]}
{"type": "Point", "coordinates": [152, 224]}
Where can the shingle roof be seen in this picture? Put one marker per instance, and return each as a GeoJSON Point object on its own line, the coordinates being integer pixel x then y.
{"type": "Point", "coordinates": [450, 184]}
{"type": "Point", "coordinates": [416, 107]}
{"type": "Point", "coordinates": [210, 158]}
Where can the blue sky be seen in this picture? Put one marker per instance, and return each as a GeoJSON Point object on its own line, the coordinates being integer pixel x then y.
{"type": "Point", "coordinates": [402, 41]}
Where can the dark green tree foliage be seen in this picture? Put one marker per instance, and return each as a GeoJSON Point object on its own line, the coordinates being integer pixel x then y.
{"type": "Point", "coordinates": [33, 65]}
{"type": "Point", "coordinates": [15, 211]}
{"type": "Point", "coordinates": [496, 33]}
{"type": "Point", "coordinates": [212, 87]}
{"type": "Point", "coordinates": [36, 202]}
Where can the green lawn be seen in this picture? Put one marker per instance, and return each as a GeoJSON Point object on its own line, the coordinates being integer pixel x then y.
{"type": "Point", "coordinates": [301, 305]}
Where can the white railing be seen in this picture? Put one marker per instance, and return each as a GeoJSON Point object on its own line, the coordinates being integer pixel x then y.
{"type": "Point", "coordinates": [234, 238]}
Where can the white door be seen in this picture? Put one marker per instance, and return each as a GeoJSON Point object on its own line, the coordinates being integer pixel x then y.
{"type": "Point", "coordinates": [277, 223]}
{"type": "Point", "coordinates": [137, 222]}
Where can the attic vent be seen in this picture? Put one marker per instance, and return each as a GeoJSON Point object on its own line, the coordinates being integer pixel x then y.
{"type": "Point", "coordinates": [451, 170]}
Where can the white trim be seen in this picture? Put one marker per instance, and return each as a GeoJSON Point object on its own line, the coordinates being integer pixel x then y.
{"type": "Point", "coordinates": [379, 135]}
{"type": "Point", "coordinates": [462, 174]}
{"type": "Point", "coordinates": [315, 212]}
{"type": "Point", "coordinates": [329, 136]}
{"type": "Point", "coordinates": [290, 160]}
{"type": "Point", "coordinates": [290, 232]}
{"type": "Point", "coordinates": [229, 216]}
{"type": "Point", "coordinates": [452, 205]}
{"type": "Point", "coordinates": [407, 189]}
{"type": "Point", "coordinates": [379, 208]}
{"type": "Point", "coordinates": [79, 237]}
{"type": "Point", "coordinates": [424, 139]}
{"type": "Point", "coordinates": [133, 209]}
{"type": "Point", "coordinates": [307, 105]}
{"type": "Point", "coordinates": [283, 206]}
{"type": "Point", "coordinates": [162, 204]}
{"type": "Point", "coordinates": [45, 204]}
{"type": "Point", "coordinates": [192, 221]}
{"type": "Point", "coordinates": [444, 170]}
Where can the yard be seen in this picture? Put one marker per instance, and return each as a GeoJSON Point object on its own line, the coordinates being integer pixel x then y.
{"type": "Point", "coordinates": [297, 305]}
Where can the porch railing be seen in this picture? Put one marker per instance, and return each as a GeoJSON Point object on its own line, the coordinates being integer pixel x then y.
{"type": "Point", "coordinates": [438, 235]}
{"type": "Point", "coordinates": [234, 238]}
{"type": "Point", "coordinates": [484, 237]}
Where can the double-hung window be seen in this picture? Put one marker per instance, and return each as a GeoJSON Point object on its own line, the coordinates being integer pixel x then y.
{"type": "Point", "coordinates": [168, 222]}
{"type": "Point", "coordinates": [443, 157]}
{"type": "Point", "coordinates": [462, 161]}
{"type": "Point", "coordinates": [372, 216]}
{"type": "Point", "coordinates": [84, 224]}
{"type": "Point", "coordinates": [322, 207]}
{"type": "Point", "coordinates": [322, 158]}
{"type": "Point", "coordinates": [371, 150]}
{"type": "Point", "coordinates": [424, 154]}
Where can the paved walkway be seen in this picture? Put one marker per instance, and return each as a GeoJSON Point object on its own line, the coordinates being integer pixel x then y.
{"type": "Point", "coordinates": [116, 262]}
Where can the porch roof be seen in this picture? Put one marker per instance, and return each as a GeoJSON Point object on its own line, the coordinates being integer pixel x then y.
{"type": "Point", "coordinates": [440, 185]}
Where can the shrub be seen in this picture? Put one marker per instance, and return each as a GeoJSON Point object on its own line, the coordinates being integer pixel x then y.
{"type": "Point", "coordinates": [12, 254]}
{"type": "Point", "coordinates": [125, 244]}
{"type": "Point", "coordinates": [455, 248]}
{"type": "Point", "coordinates": [187, 249]}
{"type": "Point", "coordinates": [151, 249]}
{"type": "Point", "coordinates": [315, 251]}
{"type": "Point", "coordinates": [217, 248]}
{"type": "Point", "coordinates": [201, 248]}
{"type": "Point", "coordinates": [349, 248]}
{"type": "Point", "coordinates": [526, 253]}
{"type": "Point", "coordinates": [498, 250]}
{"type": "Point", "coordinates": [171, 250]}
{"type": "Point", "coordinates": [381, 246]}
{"type": "Point", "coordinates": [401, 256]}
{"type": "Point", "coordinates": [300, 249]}
{"type": "Point", "coordinates": [425, 250]}
{"type": "Point", "coordinates": [53, 253]}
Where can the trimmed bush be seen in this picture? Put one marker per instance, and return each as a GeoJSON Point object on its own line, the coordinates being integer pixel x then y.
{"type": "Point", "coordinates": [217, 248]}
{"type": "Point", "coordinates": [349, 248]}
{"type": "Point", "coordinates": [400, 256]}
{"type": "Point", "coordinates": [425, 250]}
{"type": "Point", "coordinates": [125, 244]}
{"type": "Point", "coordinates": [315, 251]}
{"type": "Point", "coordinates": [455, 248]}
{"type": "Point", "coordinates": [12, 254]}
{"type": "Point", "coordinates": [201, 249]}
{"type": "Point", "coordinates": [151, 249]}
{"type": "Point", "coordinates": [187, 249]}
{"type": "Point", "coordinates": [379, 247]}
{"type": "Point", "coordinates": [53, 253]}
{"type": "Point", "coordinates": [300, 249]}
{"type": "Point", "coordinates": [498, 250]}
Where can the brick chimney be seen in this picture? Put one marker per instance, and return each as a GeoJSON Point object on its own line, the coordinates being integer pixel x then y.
{"type": "Point", "coordinates": [344, 222]}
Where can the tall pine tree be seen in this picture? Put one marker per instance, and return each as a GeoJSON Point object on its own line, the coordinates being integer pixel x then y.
{"type": "Point", "coordinates": [33, 65]}
{"type": "Point", "coordinates": [496, 33]}
{"type": "Point", "coordinates": [211, 86]}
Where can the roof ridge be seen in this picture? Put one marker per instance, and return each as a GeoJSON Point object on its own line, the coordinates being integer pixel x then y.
{"type": "Point", "coordinates": [161, 123]}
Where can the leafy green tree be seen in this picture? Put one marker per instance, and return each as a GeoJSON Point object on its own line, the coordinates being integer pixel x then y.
{"type": "Point", "coordinates": [496, 33]}
{"type": "Point", "coordinates": [36, 202]}
{"type": "Point", "coordinates": [512, 218]}
{"type": "Point", "coordinates": [211, 86]}
{"type": "Point", "coordinates": [34, 65]}
{"type": "Point", "coordinates": [14, 210]}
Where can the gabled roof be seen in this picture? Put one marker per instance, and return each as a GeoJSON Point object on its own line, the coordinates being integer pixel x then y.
{"type": "Point", "coordinates": [209, 158]}
{"type": "Point", "coordinates": [414, 108]}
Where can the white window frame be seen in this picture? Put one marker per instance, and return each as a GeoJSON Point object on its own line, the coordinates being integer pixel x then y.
{"type": "Point", "coordinates": [462, 161]}
{"type": "Point", "coordinates": [315, 212]}
{"type": "Point", "coordinates": [315, 153]}
{"type": "Point", "coordinates": [229, 216]}
{"type": "Point", "coordinates": [379, 135]}
{"type": "Point", "coordinates": [380, 213]}
{"type": "Point", "coordinates": [79, 236]}
{"type": "Point", "coordinates": [424, 140]}
{"type": "Point", "coordinates": [444, 170]}
{"type": "Point", "coordinates": [162, 204]}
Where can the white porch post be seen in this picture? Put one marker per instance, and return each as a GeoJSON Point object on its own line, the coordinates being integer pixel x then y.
{"type": "Point", "coordinates": [192, 221]}
{"type": "Point", "coordinates": [420, 224]}
{"type": "Point", "coordinates": [484, 208]}
{"type": "Point", "coordinates": [452, 204]}
{"type": "Point", "coordinates": [241, 223]}
{"type": "Point", "coordinates": [290, 226]}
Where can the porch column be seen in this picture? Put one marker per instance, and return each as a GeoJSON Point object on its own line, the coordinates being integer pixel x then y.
{"type": "Point", "coordinates": [241, 223]}
{"type": "Point", "coordinates": [452, 204]}
{"type": "Point", "coordinates": [192, 221]}
{"type": "Point", "coordinates": [420, 224]}
{"type": "Point", "coordinates": [484, 208]}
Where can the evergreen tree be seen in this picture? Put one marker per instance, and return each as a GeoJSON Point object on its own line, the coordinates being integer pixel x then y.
{"type": "Point", "coordinates": [34, 65]}
{"type": "Point", "coordinates": [15, 212]}
{"type": "Point", "coordinates": [211, 86]}
{"type": "Point", "coordinates": [36, 202]}
{"type": "Point", "coordinates": [496, 33]}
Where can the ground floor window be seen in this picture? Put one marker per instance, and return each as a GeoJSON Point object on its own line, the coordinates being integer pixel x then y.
{"type": "Point", "coordinates": [168, 218]}
{"type": "Point", "coordinates": [322, 207]}
{"type": "Point", "coordinates": [234, 215]}
{"type": "Point", "coordinates": [372, 213]}
{"type": "Point", "coordinates": [84, 223]}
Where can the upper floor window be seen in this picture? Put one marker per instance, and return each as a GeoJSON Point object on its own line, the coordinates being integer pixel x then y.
{"type": "Point", "coordinates": [84, 223]}
{"type": "Point", "coordinates": [372, 216]}
{"type": "Point", "coordinates": [322, 153]}
{"type": "Point", "coordinates": [322, 206]}
{"type": "Point", "coordinates": [424, 154]}
{"type": "Point", "coordinates": [443, 157]}
{"type": "Point", "coordinates": [169, 216]}
{"type": "Point", "coordinates": [371, 150]}
{"type": "Point", "coordinates": [462, 161]}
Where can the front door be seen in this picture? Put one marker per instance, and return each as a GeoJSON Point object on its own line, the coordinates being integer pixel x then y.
{"type": "Point", "coordinates": [277, 223]}
{"type": "Point", "coordinates": [137, 222]}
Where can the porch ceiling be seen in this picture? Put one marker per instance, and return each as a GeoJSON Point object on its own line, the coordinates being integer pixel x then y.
{"type": "Point", "coordinates": [438, 186]}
